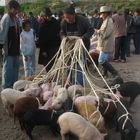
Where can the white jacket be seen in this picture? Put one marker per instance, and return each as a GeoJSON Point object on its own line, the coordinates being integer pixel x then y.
{"type": "Point", "coordinates": [27, 43]}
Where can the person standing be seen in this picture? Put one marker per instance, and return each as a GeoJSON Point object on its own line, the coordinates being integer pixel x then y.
{"type": "Point", "coordinates": [34, 23]}
{"type": "Point", "coordinates": [27, 47]}
{"type": "Point", "coordinates": [9, 41]}
{"type": "Point", "coordinates": [49, 39]}
{"type": "Point", "coordinates": [120, 37]}
{"type": "Point", "coordinates": [137, 35]}
{"type": "Point", "coordinates": [105, 36]}
{"type": "Point", "coordinates": [130, 30]}
{"type": "Point", "coordinates": [77, 25]}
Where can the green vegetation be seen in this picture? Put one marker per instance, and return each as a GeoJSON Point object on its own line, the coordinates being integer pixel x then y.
{"type": "Point", "coordinates": [86, 5]}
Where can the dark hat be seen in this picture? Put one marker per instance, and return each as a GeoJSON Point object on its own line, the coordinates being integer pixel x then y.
{"type": "Point", "coordinates": [69, 10]}
{"type": "Point", "coordinates": [13, 4]}
{"type": "Point", "coordinates": [47, 11]}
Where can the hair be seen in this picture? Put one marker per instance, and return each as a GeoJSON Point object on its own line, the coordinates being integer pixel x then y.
{"type": "Point", "coordinates": [95, 11]}
{"type": "Point", "coordinates": [31, 13]}
{"type": "Point", "coordinates": [137, 11]}
{"type": "Point", "coordinates": [47, 11]}
{"type": "Point", "coordinates": [126, 11]}
{"type": "Point", "coordinates": [25, 22]}
{"type": "Point", "coordinates": [13, 4]}
{"type": "Point", "coordinates": [69, 11]}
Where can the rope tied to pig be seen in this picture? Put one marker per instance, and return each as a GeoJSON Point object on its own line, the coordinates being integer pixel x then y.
{"type": "Point", "coordinates": [39, 104]}
{"type": "Point", "coordinates": [100, 118]}
{"type": "Point", "coordinates": [65, 66]}
{"type": "Point", "coordinates": [108, 105]}
{"type": "Point", "coordinates": [126, 119]}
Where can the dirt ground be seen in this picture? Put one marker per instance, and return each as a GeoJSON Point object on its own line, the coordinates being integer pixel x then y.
{"type": "Point", "coordinates": [129, 71]}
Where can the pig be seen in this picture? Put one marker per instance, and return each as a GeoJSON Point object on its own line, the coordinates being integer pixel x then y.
{"type": "Point", "coordinates": [24, 105]}
{"type": "Point", "coordinates": [33, 90]}
{"type": "Point", "coordinates": [59, 98]}
{"type": "Point", "coordinates": [76, 124]}
{"type": "Point", "coordinates": [89, 98]}
{"type": "Point", "coordinates": [47, 105]}
{"type": "Point", "coordinates": [90, 113]}
{"type": "Point", "coordinates": [47, 95]}
{"type": "Point", "coordinates": [130, 89]}
{"type": "Point", "coordinates": [9, 97]}
{"type": "Point", "coordinates": [41, 117]}
{"type": "Point", "coordinates": [21, 84]}
{"type": "Point", "coordinates": [56, 87]}
{"type": "Point", "coordinates": [75, 91]}
{"type": "Point", "coordinates": [107, 108]}
{"type": "Point", "coordinates": [125, 123]}
{"type": "Point", "coordinates": [46, 87]}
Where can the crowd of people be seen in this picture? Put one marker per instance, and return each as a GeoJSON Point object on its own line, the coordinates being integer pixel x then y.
{"type": "Point", "coordinates": [20, 34]}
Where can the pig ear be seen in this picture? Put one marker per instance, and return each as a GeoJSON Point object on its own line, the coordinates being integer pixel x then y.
{"type": "Point", "coordinates": [126, 131]}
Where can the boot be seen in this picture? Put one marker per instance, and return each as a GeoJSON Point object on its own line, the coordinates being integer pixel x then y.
{"type": "Point", "coordinates": [110, 68]}
{"type": "Point", "coordinates": [105, 73]}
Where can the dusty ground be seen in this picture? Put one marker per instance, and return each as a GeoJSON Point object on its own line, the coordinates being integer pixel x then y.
{"type": "Point", "coordinates": [129, 71]}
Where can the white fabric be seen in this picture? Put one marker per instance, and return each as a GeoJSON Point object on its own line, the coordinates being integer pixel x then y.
{"type": "Point", "coordinates": [27, 43]}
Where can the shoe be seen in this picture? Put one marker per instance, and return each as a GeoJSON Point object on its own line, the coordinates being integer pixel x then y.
{"type": "Point", "coordinates": [123, 61]}
{"type": "Point", "coordinates": [116, 60]}
{"type": "Point", "coordinates": [110, 68]}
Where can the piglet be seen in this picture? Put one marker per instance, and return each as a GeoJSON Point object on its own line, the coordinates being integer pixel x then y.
{"type": "Point", "coordinates": [21, 84]}
{"type": "Point", "coordinates": [24, 105]}
{"type": "Point", "coordinates": [41, 117]}
{"type": "Point", "coordinates": [47, 105]}
{"type": "Point", "coordinates": [125, 123]}
{"type": "Point", "coordinates": [130, 89]}
{"type": "Point", "coordinates": [74, 123]}
{"type": "Point", "coordinates": [59, 98]}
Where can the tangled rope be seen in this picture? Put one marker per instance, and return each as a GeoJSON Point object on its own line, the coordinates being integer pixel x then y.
{"type": "Point", "coordinates": [72, 52]}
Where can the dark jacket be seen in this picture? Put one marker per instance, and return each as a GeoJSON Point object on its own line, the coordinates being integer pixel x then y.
{"type": "Point", "coordinates": [9, 35]}
{"type": "Point", "coordinates": [137, 23]}
{"type": "Point", "coordinates": [83, 26]}
{"type": "Point", "coordinates": [49, 40]}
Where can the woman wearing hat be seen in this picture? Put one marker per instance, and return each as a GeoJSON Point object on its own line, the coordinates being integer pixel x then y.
{"type": "Point", "coordinates": [105, 41]}
{"type": "Point", "coordinates": [49, 39]}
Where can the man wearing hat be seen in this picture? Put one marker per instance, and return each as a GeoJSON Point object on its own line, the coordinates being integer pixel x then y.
{"type": "Point", "coordinates": [9, 42]}
{"type": "Point", "coordinates": [77, 25]}
{"type": "Point", "coordinates": [105, 41]}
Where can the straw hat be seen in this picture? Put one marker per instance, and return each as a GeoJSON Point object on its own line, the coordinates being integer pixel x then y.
{"type": "Point", "coordinates": [104, 9]}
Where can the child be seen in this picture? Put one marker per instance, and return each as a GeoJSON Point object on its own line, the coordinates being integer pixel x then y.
{"type": "Point", "coordinates": [27, 47]}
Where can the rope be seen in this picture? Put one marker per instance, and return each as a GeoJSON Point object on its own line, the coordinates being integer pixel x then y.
{"type": "Point", "coordinates": [72, 53]}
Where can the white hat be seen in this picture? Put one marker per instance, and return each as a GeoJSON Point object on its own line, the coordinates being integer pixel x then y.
{"type": "Point", "coordinates": [78, 10]}
{"type": "Point", "coordinates": [105, 9]}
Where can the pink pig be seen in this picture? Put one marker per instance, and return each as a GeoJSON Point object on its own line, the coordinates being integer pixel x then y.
{"type": "Point", "coordinates": [47, 105]}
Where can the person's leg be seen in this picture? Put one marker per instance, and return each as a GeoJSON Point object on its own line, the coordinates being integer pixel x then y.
{"type": "Point", "coordinates": [1, 57]}
{"type": "Point", "coordinates": [137, 50]}
{"type": "Point", "coordinates": [103, 60]}
{"type": "Point", "coordinates": [16, 68]}
{"type": "Point", "coordinates": [127, 44]}
{"type": "Point", "coordinates": [26, 67]}
{"type": "Point", "coordinates": [79, 75]}
{"type": "Point", "coordinates": [122, 43]}
{"type": "Point", "coordinates": [103, 57]}
{"type": "Point", "coordinates": [7, 72]}
{"type": "Point", "coordinates": [138, 41]}
{"type": "Point", "coordinates": [117, 49]}
{"type": "Point", "coordinates": [33, 65]}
